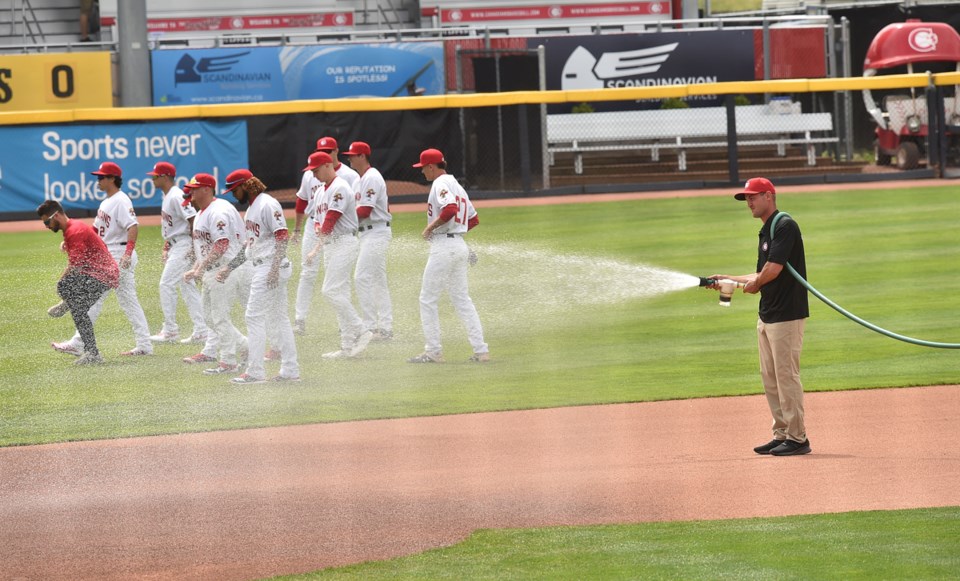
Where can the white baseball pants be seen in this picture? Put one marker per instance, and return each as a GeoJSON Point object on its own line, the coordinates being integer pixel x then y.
{"type": "Point", "coordinates": [340, 258]}
{"type": "Point", "coordinates": [371, 279]}
{"type": "Point", "coordinates": [129, 304]}
{"type": "Point", "coordinates": [218, 299]}
{"type": "Point", "coordinates": [267, 307]}
{"type": "Point", "coordinates": [446, 270]}
{"type": "Point", "coordinates": [308, 272]}
{"type": "Point", "coordinates": [179, 261]}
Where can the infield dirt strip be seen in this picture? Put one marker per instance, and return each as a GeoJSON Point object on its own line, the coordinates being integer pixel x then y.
{"type": "Point", "coordinates": [255, 503]}
{"type": "Point", "coordinates": [248, 504]}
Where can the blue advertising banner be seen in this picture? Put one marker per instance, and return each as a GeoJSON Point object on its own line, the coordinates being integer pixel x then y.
{"type": "Point", "coordinates": [54, 162]}
{"type": "Point", "coordinates": [204, 76]}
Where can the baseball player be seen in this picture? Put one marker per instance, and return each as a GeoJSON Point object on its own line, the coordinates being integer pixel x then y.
{"type": "Point", "coordinates": [218, 235]}
{"type": "Point", "coordinates": [449, 216]}
{"type": "Point", "coordinates": [91, 272]}
{"type": "Point", "coordinates": [176, 228]}
{"type": "Point", "coordinates": [116, 223]}
{"type": "Point", "coordinates": [306, 209]}
{"type": "Point", "coordinates": [336, 220]}
{"type": "Point", "coordinates": [266, 250]}
{"type": "Point", "coordinates": [373, 213]}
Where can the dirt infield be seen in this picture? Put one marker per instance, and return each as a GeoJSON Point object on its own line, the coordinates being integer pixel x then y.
{"type": "Point", "coordinates": [257, 503]}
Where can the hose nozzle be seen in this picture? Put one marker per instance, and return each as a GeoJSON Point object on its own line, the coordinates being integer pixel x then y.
{"type": "Point", "coordinates": [726, 285]}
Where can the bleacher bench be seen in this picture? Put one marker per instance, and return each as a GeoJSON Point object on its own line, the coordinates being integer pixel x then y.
{"type": "Point", "coordinates": [778, 123]}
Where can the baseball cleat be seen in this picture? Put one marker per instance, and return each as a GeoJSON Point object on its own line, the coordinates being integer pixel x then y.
{"type": "Point", "coordinates": [195, 339]}
{"type": "Point", "coordinates": [338, 354]}
{"type": "Point", "coordinates": [480, 358]}
{"type": "Point", "coordinates": [89, 359]}
{"type": "Point", "coordinates": [361, 343]}
{"type": "Point", "coordinates": [272, 355]}
{"type": "Point", "coordinates": [165, 337]}
{"type": "Point", "coordinates": [247, 379]}
{"type": "Point", "coordinates": [58, 310]}
{"type": "Point", "coordinates": [381, 335]}
{"type": "Point", "coordinates": [220, 369]}
{"type": "Point", "coordinates": [300, 327]}
{"type": "Point", "coordinates": [426, 358]}
{"type": "Point", "coordinates": [199, 358]}
{"type": "Point", "coordinates": [136, 351]}
{"type": "Point", "coordinates": [284, 378]}
{"type": "Point", "coordinates": [68, 348]}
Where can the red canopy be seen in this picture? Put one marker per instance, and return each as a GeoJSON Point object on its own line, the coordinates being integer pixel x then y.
{"type": "Point", "coordinates": [913, 41]}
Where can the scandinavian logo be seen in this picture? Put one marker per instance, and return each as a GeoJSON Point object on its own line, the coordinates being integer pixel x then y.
{"type": "Point", "coordinates": [923, 40]}
{"type": "Point", "coordinates": [613, 69]}
{"type": "Point", "coordinates": [191, 70]}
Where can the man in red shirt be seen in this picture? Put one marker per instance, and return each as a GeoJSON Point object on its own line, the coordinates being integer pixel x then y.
{"type": "Point", "coordinates": [91, 271]}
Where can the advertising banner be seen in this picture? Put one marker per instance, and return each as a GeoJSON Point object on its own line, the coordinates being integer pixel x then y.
{"type": "Point", "coordinates": [203, 76]}
{"type": "Point", "coordinates": [55, 81]}
{"type": "Point", "coordinates": [54, 162]}
{"type": "Point", "coordinates": [645, 10]}
{"type": "Point", "coordinates": [650, 59]}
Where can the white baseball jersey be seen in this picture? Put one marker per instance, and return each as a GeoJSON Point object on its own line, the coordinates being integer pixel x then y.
{"type": "Point", "coordinates": [350, 175]}
{"type": "Point", "coordinates": [263, 219]}
{"type": "Point", "coordinates": [114, 218]}
{"type": "Point", "coordinates": [218, 221]}
{"type": "Point", "coordinates": [340, 197]}
{"type": "Point", "coordinates": [447, 190]}
{"type": "Point", "coordinates": [174, 216]}
{"type": "Point", "coordinates": [309, 192]}
{"type": "Point", "coordinates": [372, 192]}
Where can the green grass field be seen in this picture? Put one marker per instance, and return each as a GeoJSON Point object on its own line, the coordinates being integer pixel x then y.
{"type": "Point", "coordinates": [574, 316]}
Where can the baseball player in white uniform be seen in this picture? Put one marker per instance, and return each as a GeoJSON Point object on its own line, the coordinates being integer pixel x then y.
{"type": "Point", "coordinates": [373, 213]}
{"type": "Point", "coordinates": [218, 236]}
{"type": "Point", "coordinates": [337, 224]}
{"type": "Point", "coordinates": [266, 251]}
{"type": "Point", "coordinates": [176, 228]}
{"type": "Point", "coordinates": [449, 216]}
{"type": "Point", "coordinates": [307, 197]}
{"type": "Point", "coordinates": [116, 223]}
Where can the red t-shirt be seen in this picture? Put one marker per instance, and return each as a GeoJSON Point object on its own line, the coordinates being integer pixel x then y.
{"type": "Point", "coordinates": [87, 254]}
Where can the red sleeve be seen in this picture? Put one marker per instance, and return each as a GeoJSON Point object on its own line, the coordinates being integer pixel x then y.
{"type": "Point", "coordinates": [364, 212]}
{"type": "Point", "coordinates": [472, 222]}
{"type": "Point", "coordinates": [281, 234]}
{"type": "Point", "coordinates": [448, 211]}
{"type": "Point", "coordinates": [301, 206]}
{"type": "Point", "coordinates": [221, 246]}
{"type": "Point", "coordinates": [329, 222]}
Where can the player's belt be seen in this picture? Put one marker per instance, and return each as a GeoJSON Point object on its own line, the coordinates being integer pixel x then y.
{"type": "Point", "coordinates": [371, 226]}
{"type": "Point", "coordinates": [118, 244]}
{"type": "Point", "coordinates": [176, 239]}
{"type": "Point", "coordinates": [454, 234]}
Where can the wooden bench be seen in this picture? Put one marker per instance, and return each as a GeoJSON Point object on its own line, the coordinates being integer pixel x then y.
{"type": "Point", "coordinates": [779, 124]}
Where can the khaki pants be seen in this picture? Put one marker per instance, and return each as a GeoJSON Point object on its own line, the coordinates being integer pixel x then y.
{"type": "Point", "coordinates": [780, 345]}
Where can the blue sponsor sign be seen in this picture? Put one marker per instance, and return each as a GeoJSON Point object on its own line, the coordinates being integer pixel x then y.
{"type": "Point", "coordinates": [198, 76]}
{"type": "Point", "coordinates": [54, 162]}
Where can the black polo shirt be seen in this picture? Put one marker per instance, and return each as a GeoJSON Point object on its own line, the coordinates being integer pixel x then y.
{"type": "Point", "coordinates": [783, 298]}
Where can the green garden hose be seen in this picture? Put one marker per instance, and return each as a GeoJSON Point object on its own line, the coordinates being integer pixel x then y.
{"type": "Point", "coordinates": [850, 315]}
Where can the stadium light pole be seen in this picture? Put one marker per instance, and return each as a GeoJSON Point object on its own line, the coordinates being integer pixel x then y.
{"type": "Point", "coordinates": [133, 53]}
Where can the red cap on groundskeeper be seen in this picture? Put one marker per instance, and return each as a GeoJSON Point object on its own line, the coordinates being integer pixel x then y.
{"type": "Point", "coordinates": [236, 178]}
{"type": "Point", "coordinates": [163, 168]}
{"type": "Point", "coordinates": [108, 168]}
{"type": "Point", "coordinates": [358, 148]}
{"type": "Point", "coordinates": [326, 144]}
{"type": "Point", "coordinates": [317, 159]}
{"type": "Point", "coordinates": [755, 186]}
{"type": "Point", "coordinates": [201, 180]}
{"type": "Point", "coordinates": [428, 156]}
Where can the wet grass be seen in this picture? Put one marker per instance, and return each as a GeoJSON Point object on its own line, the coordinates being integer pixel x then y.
{"type": "Point", "coordinates": [565, 300]}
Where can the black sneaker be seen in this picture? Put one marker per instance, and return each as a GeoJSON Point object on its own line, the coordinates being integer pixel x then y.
{"type": "Point", "coordinates": [765, 449]}
{"type": "Point", "coordinates": [791, 448]}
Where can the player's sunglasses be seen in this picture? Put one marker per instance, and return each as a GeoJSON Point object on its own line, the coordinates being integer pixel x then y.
{"type": "Point", "coordinates": [48, 219]}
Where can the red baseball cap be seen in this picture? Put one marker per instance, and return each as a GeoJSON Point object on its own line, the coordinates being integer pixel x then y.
{"type": "Point", "coordinates": [358, 148]}
{"type": "Point", "coordinates": [163, 168]}
{"type": "Point", "coordinates": [317, 159]}
{"type": "Point", "coordinates": [326, 144]}
{"type": "Point", "coordinates": [755, 186]}
{"type": "Point", "coordinates": [428, 156]}
{"type": "Point", "coordinates": [236, 178]}
{"type": "Point", "coordinates": [201, 180]}
{"type": "Point", "coordinates": [108, 168]}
